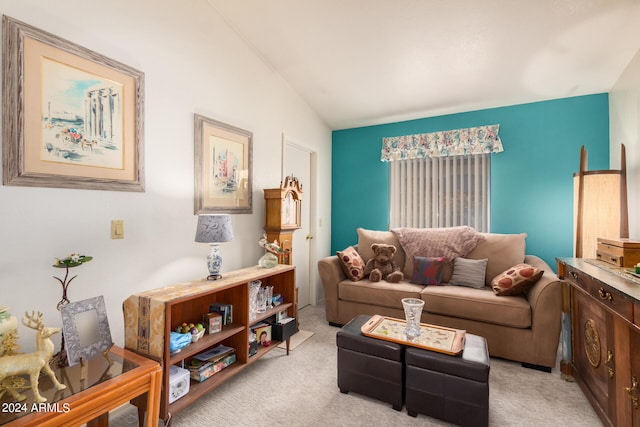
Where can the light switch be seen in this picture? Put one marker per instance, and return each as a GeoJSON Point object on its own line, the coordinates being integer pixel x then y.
{"type": "Point", "coordinates": [117, 229]}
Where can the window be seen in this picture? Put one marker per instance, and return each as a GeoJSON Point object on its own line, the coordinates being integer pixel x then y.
{"type": "Point", "coordinates": [440, 192]}
{"type": "Point", "coordinates": [441, 179]}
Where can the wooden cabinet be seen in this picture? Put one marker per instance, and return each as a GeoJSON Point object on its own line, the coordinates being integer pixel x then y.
{"type": "Point", "coordinates": [150, 317]}
{"type": "Point", "coordinates": [604, 337]}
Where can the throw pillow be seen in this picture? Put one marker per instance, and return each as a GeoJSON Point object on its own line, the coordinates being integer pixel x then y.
{"type": "Point", "coordinates": [352, 264]}
{"type": "Point", "coordinates": [469, 272]}
{"type": "Point", "coordinates": [516, 280]}
{"type": "Point", "coordinates": [450, 242]}
{"type": "Point", "coordinates": [502, 251]}
{"type": "Point", "coordinates": [428, 270]}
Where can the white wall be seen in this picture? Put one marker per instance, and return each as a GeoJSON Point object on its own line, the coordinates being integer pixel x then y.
{"type": "Point", "coordinates": [193, 63]}
{"type": "Point", "coordinates": [624, 116]}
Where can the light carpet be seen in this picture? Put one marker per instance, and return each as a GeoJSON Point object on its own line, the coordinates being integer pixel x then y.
{"type": "Point", "coordinates": [297, 339]}
{"type": "Point", "coordinates": [301, 390]}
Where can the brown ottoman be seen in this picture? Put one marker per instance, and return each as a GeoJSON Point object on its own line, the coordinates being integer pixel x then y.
{"type": "Point", "coordinates": [451, 388]}
{"type": "Point", "coordinates": [369, 366]}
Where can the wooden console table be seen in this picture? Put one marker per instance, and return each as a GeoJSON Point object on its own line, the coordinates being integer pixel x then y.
{"type": "Point", "coordinates": [601, 341]}
{"type": "Point", "coordinates": [106, 387]}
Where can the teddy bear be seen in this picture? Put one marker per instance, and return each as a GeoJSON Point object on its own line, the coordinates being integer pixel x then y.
{"type": "Point", "coordinates": [382, 266]}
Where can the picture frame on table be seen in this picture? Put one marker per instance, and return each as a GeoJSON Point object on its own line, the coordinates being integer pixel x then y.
{"type": "Point", "coordinates": [85, 326]}
{"type": "Point", "coordinates": [223, 167]}
{"type": "Point", "coordinates": [71, 117]}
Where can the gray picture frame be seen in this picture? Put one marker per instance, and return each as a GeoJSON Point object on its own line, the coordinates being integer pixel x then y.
{"type": "Point", "coordinates": [85, 326]}
{"type": "Point", "coordinates": [214, 193]}
{"type": "Point", "coordinates": [28, 136]}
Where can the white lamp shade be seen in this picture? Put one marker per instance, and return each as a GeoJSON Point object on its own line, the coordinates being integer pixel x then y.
{"type": "Point", "coordinates": [214, 228]}
{"type": "Point", "coordinates": [601, 210]}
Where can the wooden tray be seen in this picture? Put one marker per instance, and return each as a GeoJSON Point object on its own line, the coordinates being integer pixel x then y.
{"type": "Point", "coordinates": [435, 338]}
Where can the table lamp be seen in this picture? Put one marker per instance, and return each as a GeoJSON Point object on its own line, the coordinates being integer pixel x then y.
{"type": "Point", "coordinates": [214, 229]}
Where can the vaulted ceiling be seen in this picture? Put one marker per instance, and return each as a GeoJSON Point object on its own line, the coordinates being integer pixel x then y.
{"type": "Point", "coordinates": [365, 62]}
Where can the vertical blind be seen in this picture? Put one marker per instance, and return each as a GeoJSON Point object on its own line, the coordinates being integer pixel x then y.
{"type": "Point", "coordinates": [441, 179]}
{"type": "Point", "coordinates": [440, 192]}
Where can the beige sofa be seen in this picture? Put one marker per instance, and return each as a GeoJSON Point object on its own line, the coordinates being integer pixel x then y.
{"type": "Point", "coordinates": [524, 328]}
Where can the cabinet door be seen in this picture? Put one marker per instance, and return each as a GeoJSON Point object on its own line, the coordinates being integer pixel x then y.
{"type": "Point", "coordinates": [630, 390]}
{"type": "Point", "coordinates": [593, 351]}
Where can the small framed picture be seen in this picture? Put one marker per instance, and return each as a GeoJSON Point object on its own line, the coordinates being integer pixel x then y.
{"type": "Point", "coordinates": [281, 315]}
{"type": "Point", "coordinates": [86, 329]}
{"type": "Point", "coordinates": [263, 335]}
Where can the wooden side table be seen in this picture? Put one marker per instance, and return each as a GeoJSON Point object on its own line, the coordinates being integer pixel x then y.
{"type": "Point", "coordinates": [106, 387]}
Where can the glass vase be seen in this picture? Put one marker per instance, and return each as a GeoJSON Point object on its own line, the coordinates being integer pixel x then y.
{"type": "Point", "coordinates": [412, 313]}
{"type": "Point", "coordinates": [254, 287]}
{"type": "Point", "coordinates": [262, 300]}
{"type": "Point", "coordinates": [269, 296]}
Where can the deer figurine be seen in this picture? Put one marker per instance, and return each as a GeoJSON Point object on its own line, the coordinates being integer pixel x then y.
{"type": "Point", "coordinates": [31, 363]}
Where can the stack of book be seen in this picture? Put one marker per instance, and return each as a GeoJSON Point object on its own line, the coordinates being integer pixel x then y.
{"type": "Point", "coordinates": [224, 310]}
{"type": "Point", "coordinates": [205, 365]}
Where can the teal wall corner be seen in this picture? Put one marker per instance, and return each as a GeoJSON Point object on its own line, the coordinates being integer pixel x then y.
{"type": "Point", "coordinates": [531, 181]}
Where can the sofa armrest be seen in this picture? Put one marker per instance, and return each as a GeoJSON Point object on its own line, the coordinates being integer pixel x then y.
{"type": "Point", "coordinates": [546, 307]}
{"type": "Point", "coordinates": [331, 274]}
{"type": "Point", "coordinates": [537, 294]}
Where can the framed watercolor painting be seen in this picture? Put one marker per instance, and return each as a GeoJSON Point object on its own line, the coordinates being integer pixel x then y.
{"type": "Point", "coordinates": [71, 117]}
{"type": "Point", "coordinates": [223, 172]}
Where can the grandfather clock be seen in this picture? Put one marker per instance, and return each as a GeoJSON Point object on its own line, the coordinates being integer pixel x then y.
{"type": "Point", "coordinates": [283, 215]}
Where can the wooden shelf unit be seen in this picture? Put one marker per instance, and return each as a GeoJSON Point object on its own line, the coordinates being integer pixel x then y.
{"type": "Point", "coordinates": [187, 302]}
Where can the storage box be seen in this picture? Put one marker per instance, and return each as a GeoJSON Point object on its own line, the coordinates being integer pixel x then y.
{"type": "Point", "coordinates": [213, 322]}
{"type": "Point", "coordinates": [620, 252]}
{"type": "Point", "coordinates": [178, 383]}
{"type": "Point", "coordinates": [200, 370]}
{"type": "Point", "coordinates": [284, 331]}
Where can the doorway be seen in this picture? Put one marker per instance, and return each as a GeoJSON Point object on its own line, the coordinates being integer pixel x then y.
{"type": "Point", "coordinates": [300, 161]}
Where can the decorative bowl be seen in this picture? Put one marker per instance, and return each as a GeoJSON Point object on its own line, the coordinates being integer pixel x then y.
{"type": "Point", "coordinates": [196, 337]}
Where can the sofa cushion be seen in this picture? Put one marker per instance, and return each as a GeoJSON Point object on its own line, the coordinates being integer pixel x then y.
{"type": "Point", "coordinates": [469, 272]}
{"type": "Point", "coordinates": [368, 237]}
{"type": "Point", "coordinates": [428, 270]}
{"type": "Point", "coordinates": [477, 304]}
{"type": "Point", "coordinates": [516, 280]}
{"type": "Point", "coordinates": [450, 242]}
{"type": "Point", "coordinates": [378, 293]}
{"type": "Point", "coordinates": [502, 250]}
{"type": "Point", "coordinates": [351, 263]}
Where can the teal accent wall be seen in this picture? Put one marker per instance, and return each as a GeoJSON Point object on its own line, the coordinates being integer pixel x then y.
{"type": "Point", "coordinates": [531, 181]}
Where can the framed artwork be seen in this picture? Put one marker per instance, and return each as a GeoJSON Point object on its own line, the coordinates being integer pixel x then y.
{"type": "Point", "coordinates": [223, 169]}
{"type": "Point", "coordinates": [71, 118]}
{"type": "Point", "coordinates": [86, 329]}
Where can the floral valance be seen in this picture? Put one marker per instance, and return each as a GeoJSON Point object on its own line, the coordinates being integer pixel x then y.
{"type": "Point", "coordinates": [458, 142]}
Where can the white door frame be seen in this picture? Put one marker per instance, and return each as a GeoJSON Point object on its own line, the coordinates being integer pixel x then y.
{"type": "Point", "coordinates": [313, 204]}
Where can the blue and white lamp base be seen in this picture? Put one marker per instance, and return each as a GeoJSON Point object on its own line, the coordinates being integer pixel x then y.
{"type": "Point", "coordinates": [214, 262]}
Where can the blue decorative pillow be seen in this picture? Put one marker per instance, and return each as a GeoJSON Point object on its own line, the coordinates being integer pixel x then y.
{"type": "Point", "coordinates": [428, 271]}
